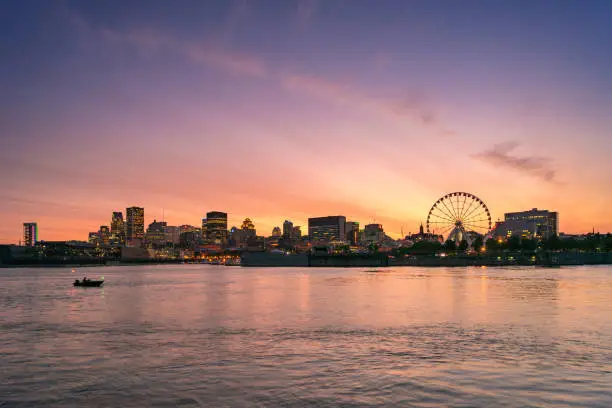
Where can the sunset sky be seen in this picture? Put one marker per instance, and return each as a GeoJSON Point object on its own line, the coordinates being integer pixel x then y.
{"type": "Point", "coordinates": [279, 110]}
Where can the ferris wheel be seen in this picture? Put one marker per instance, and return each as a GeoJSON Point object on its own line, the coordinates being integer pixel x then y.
{"type": "Point", "coordinates": [459, 215]}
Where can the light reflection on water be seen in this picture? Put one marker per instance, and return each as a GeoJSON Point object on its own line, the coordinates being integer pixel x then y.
{"type": "Point", "coordinates": [191, 335]}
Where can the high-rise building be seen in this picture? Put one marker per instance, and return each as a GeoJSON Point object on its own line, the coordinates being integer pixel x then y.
{"type": "Point", "coordinates": [216, 227]}
{"type": "Point", "coordinates": [118, 227]}
{"type": "Point", "coordinates": [30, 233]}
{"type": "Point", "coordinates": [134, 226]}
{"type": "Point", "coordinates": [276, 232]}
{"type": "Point", "coordinates": [104, 234]}
{"type": "Point", "coordinates": [204, 224]}
{"type": "Point", "coordinates": [296, 232]}
{"type": "Point", "coordinates": [287, 229]}
{"type": "Point", "coordinates": [327, 229]}
{"type": "Point", "coordinates": [352, 232]}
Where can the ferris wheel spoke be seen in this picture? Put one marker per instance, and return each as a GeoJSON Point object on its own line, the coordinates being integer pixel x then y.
{"type": "Point", "coordinates": [463, 206]}
{"type": "Point", "coordinates": [443, 231]}
{"type": "Point", "coordinates": [444, 212]}
{"type": "Point", "coordinates": [453, 214]}
{"type": "Point", "coordinates": [442, 227]}
{"type": "Point", "coordinates": [476, 214]}
{"type": "Point", "coordinates": [458, 205]}
{"type": "Point", "coordinates": [467, 209]}
{"type": "Point", "coordinates": [445, 218]}
{"type": "Point", "coordinates": [475, 220]}
{"type": "Point", "coordinates": [476, 210]}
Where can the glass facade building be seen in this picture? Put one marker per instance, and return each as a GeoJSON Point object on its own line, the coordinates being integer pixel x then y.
{"type": "Point", "coordinates": [134, 226]}
{"type": "Point", "coordinates": [327, 229]}
{"type": "Point", "coordinates": [118, 227]}
{"type": "Point", "coordinates": [30, 233]}
{"type": "Point", "coordinates": [216, 227]}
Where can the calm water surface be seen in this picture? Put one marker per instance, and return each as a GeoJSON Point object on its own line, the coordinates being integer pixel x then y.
{"type": "Point", "coordinates": [197, 335]}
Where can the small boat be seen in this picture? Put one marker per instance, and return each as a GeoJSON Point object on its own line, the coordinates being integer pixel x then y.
{"type": "Point", "coordinates": [88, 283]}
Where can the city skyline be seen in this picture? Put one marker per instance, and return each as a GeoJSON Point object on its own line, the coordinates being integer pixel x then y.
{"type": "Point", "coordinates": [286, 110]}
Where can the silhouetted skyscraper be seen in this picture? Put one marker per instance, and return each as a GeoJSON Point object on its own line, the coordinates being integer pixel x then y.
{"type": "Point", "coordinates": [352, 232]}
{"type": "Point", "coordinates": [216, 227]}
{"type": "Point", "coordinates": [287, 229]}
{"type": "Point", "coordinates": [104, 234]}
{"type": "Point", "coordinates": [134, 227]}
{"type": "Point", "coordinates": [118, 227]}
{"type": "Point", "coordinates": [30, 233]}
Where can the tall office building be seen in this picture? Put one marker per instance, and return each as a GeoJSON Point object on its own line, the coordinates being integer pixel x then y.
{"type": "Point", "coordinates": [118, 227]}
{"type": "Point", "coordinates": [30, 233]}
{"type": "Point", "coordinates": [134, 225]}
{"type": "Point", "coordinates": [204, 224]}
{"type": "Point", "coordinates": [327, 229]}
{"type": "Point", "coordinates": [216, 227]}
{"type": "Point", "coordinates": [104, 234]}
{"type": "Point", "coordinates": [352, 232]}
{"type": "Point", "coordinates": [287, 229]}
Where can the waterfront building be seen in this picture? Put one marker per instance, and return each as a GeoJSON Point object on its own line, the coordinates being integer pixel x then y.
{"type": "Point", "coordinates": [327, 229]}
{"type": "Point", "coordinates": [30, 233]}
{"type": "Point", "coordinates": [104, 234]}
{"type": "Point", "coordinates": [276, 232]}
{"type": "Point", "coordinates": [172, 235]}
{"type": "Point", "coordinates": [93, 238]}
{"type": "Point", "coordinates": [118, 227]}
{"type": "Point", "coordinates": [352, 232]}
{"type": "Point", "coordinates": [134, 226]}
{"type": "Point", "coordinates": [287, 229]}
{"type": "Point", "coordinates": [424, 236]}
{"type": "Point", "coordinates": [188, 228]}
{"type": "Point", "coordinates": [235, 236]}
{"type": "Point", "coordinates": [190, 239]}
{"type": "Point", "coordinates": [216, 227]}
{"type": "Point", "coordinates": [532, 224]}
{"type": "Point", "coordinates": [155, 233]}
{"type": "Point", "coordinates": [374, 233]}
{"type": "Point", "coordinates": [204, 223]}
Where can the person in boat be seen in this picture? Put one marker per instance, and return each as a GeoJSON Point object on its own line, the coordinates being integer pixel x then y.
{"type": "Point", "coordinates": [84, 279]}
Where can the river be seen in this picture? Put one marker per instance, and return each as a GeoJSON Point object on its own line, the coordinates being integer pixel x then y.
{"type": "Point", "coordinates": [214, 336]}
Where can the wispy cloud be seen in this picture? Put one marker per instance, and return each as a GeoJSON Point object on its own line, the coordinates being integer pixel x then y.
{"type": "Point", "coordinates": [410, 106]}
{"type": "Point", "coordinates": [237, 63]}
{"type": "Point", "coordinates": [149, 41]}
{"type": "Point", "coordinates": [501, 156]}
